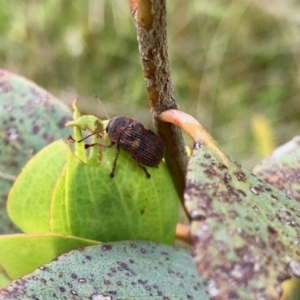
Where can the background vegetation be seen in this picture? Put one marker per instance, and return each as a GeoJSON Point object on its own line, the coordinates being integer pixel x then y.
{"type": "Point", "coordinates": [235, 63]}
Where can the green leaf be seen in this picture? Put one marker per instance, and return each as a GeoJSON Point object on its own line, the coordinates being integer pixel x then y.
{"type": "Point", "coordinates": [86, 122]}
{"type": "Point", "coordinates": [21, 254]}
{"type": "Point", "coordinates": [73, 198]}
{"type": "Point", "coordinates": [121, 270]}
{"type": "Point", "coordinates": [282, 169]}
{"type": "Point", "coordinates": [129, 206]}
{"type": "Point", "coordinates": [95, 126]}
{"type": "Point", "coordinates": [4, 279]}
{"type": "Point", "coordinates": [29, 200]}
{"type": "Point", "coordinates": [30, 118]}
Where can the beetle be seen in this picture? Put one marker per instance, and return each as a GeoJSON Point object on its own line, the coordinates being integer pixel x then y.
{"type": "Point", "coordinates": [145, 147]}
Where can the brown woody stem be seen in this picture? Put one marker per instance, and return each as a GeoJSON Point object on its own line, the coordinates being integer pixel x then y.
{"type": "Point", "coordinates": [150, 21]}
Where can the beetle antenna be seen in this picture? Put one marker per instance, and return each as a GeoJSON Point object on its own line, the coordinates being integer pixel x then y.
{"type": "Point", "coordinates": [98, 133]}
{"type": "Point", "coordinates": [102, 106]}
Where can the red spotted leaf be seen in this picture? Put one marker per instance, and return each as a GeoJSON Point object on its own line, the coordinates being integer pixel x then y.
{"type": "Point", "coordinates": [282, 169]}
{"type": "Point", "coordinates": [121, 270]}
{"type": "Point", "coordinates": [30, 119]}
{"type": "Point", "coordinates": [245, 233]}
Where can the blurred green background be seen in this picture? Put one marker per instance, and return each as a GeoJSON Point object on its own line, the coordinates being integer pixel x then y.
{"type": "Point", "coordinates": [235, 64]}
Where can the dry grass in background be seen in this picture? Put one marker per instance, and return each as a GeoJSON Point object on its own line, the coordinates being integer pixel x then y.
{"type": "Point", "coordinates": [235, 63]}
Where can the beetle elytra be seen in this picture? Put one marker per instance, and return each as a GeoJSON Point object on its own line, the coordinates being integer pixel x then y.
{"type": "Point", "coordinates": [145, 147]}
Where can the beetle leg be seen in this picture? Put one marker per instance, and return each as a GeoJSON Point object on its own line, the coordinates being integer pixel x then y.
{"type": "Point", "coordinates": [112, 173]}
{"type": "Point", "coordinates": [143, 167]}
{"type": "Point", "coordinates": [145, 170]}
{"type": "Point", "coordinates": [98, 144]}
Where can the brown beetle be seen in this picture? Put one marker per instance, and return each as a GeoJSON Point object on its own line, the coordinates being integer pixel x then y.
{"type": "Point", "coordinates": [145, 147]}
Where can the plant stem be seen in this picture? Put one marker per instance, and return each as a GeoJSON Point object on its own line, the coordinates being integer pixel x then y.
{"type": "Point", "coordinates": [183, 233]}
{"type": "Point", "coordinates": [150, 21]}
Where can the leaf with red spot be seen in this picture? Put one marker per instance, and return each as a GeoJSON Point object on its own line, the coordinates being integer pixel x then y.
{"type": "Point", "coordinates": [120, 270]}
{"type": "Point", "coordinates": [245, 233]}
{"type": "Point", "coordinates": [282, 169]}
{"type": "Point", "coordinates": [30, 119]}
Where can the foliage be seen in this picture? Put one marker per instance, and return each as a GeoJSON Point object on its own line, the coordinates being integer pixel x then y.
{"type": "Point", "coordinates": [36, 250]}
{"type": "Point", "coordinates": [119, 270]}
{"type": "Point", "coordinates": [77, 199]}
{"type": "Point", "coordinates": [31, 118]}
{"type": "Point", "coordinates": [244, 232]}
{"type": "Point", "coordinates": [229, 207]}
{"type": "Point", "coordinates": [73, 202]}
{"type": "Point", "coordinates": [229, 59]}
{"type": "Point", "coordinates": [282, 170]}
